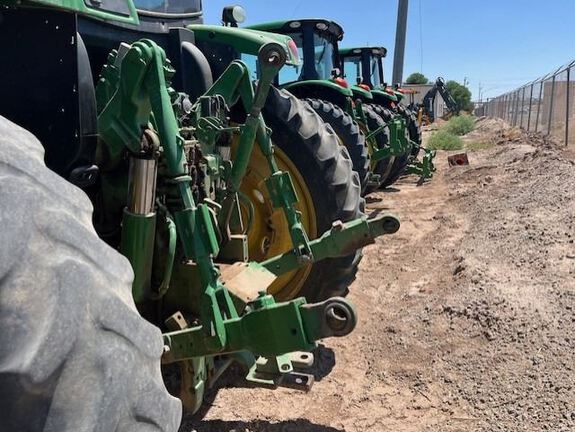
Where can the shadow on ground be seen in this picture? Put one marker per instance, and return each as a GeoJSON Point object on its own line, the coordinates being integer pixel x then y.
{"type": "Point", "coordinates": [324, 361]}
{"type": "Point", "coordinates": [373, 199]}
{"type": "Point", "coordinates": [390, 190]}
{"type": "Point", "coordinates": [299, 425]}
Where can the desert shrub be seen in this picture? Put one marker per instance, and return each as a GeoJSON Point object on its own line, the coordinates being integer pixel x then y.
{"type": "Point", "coordinates": [460, 125]}
{"type": "Point", "coordinates": [444, 140]}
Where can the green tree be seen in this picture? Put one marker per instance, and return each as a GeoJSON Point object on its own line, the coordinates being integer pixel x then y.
{"type": "Point", "coordinates": [416, 78]}
{"type": "Point", "coordinates": [461, 94]}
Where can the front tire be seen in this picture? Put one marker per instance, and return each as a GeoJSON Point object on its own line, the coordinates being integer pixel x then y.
{"type": "Point", "coordinates": [75, 354]}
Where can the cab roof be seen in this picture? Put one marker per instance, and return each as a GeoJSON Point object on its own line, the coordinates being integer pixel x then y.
{"type": "Point", "coordinates": [291, 26]}
{"type": "Point", "coordinates": [376, 50]}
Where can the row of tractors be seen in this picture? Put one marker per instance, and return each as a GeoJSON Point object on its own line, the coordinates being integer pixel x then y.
{"type": "Point", "coordinates": [226, 168]}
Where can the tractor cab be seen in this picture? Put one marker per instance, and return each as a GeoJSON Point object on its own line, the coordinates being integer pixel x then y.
{"type": "Point", "coordinates": [363, 65]}
{"type": "Point", "coordinates": [68, 71]}
{"type": "Point", "coordinates": [169, 9]}
{"type": "Point", "coordinates": [161, 21]}
{"type": "Point", "coordinates": [320, 75]}
{"type": "Point", "coordinates": [316, 41]}
{"type": "Point", "coordinates": [60, 73]}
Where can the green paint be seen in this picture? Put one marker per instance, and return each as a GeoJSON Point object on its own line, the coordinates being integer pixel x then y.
{"type": "Point", "coordinates": [245, 41]}
{"type": "Point", "coordinates": [362, 93]}
{"type": "Point", "coordinates": [424, 168]}
{"type": "Point", "coordinates": [92, 9]}
{"type": "Point", "coordinates": [341, 240]}
{"type": "Point", "coordinates": [379, 93]}
{"type": "Point", "coordinates": [134, 95]}
{"type": "Point", "coordinates": [267, 329]}
{"type": "Point", "coordinates": [172, 245]}
{"type": "Point", "coordinates": [317, 85]}
{"type": "Point", "coordinates": [350, 99]}
{"type": "Point", "coordinates": [138, 235]}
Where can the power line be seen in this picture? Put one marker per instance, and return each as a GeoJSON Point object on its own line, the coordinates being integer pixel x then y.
{"type": "Point", "coordinates": [296, 8]}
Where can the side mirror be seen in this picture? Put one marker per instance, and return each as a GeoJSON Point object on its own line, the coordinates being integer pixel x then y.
{"type": "Point", "coordinates": [233, 15]}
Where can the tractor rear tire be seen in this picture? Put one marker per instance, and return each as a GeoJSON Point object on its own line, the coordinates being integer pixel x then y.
{"type": "Point", "coordinates": [326, 168]}
{"type": "Point", "coordinates": [401, 162]}
{"type": "Point", "coordinates": [413, 128]}
{"type": "Point", "coordinates": [382, 167]}
{"type": "Point", "coordinates": [349, 133]}
{"type": "Point", "coordinates": [75, 354]}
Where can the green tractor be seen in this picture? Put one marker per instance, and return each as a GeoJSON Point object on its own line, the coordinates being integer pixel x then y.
{"type": "Point", "coordinates": [364, 65]}
{"type": "Point", "coordinates": [321, 174]}
{"type": "Point", "coordinates": [321, 171]}
{"type": "Point", "coordinates": [160, 151]}
{"type": "Point", "coordinates": [373, 139]}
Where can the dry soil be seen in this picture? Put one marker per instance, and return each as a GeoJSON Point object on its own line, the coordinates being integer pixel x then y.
{"type": "Point", "coordinates": [467, 314]}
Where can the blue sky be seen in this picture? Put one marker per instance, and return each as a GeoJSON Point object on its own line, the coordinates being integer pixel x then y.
{"type": "Point", "coordinates": [498, 43]}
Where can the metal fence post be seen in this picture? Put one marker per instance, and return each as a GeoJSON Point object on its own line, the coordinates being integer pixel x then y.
{"type": "Point", "coordinates": [551, 105]}
{"type": "Point", "coordinates": [516, 110]}
{"type": "Point", "coordinates": [539, 104]}
{"type": "Point", "coordinates": [530, 105]}
{"type": "Point", "coordinates": [510, 108]}
{"type": "Point", "coordinates": [510, 102]}
{"type": "Point", "coordinates": [567, 107]}
{"type": "Point", "coordinates": [522, 107]}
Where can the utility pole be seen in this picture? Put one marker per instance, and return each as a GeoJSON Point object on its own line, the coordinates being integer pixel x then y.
{"type": "Point", "coordinates": [479, 94]}
{"type": "Point", "coordinates": [399, 51]}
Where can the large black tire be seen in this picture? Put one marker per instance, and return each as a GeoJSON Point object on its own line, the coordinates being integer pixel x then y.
{"type": "Point", "coordinates": [75, 355]}
{"type": "Point", "coordinates": [401, 162]}
{"type": "Point", "coordinates": [384, 166]}
{"type": "Point", "coordinates": [326, 167]}
{"type": "Point", "coordinates": [349, 133]}
{"type": "Point", "coordinates": [413, 128]}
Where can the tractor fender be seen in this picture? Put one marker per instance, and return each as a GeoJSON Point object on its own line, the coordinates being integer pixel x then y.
{"type": "Point", "coordinates": [384, 99]}
{"type": "Point", "coordinates": [242, 40]}
{"type": "Point", "coordinates": [362, 94]}
{"type": "Point", "coordinates": [320, 89]}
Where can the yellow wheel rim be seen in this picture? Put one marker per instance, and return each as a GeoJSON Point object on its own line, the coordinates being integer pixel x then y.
{"type": "Point", "coordinates": [268, 235]}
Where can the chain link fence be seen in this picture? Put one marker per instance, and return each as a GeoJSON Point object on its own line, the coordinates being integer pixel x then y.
{"type": "Point", "coordinates": [545, 105]}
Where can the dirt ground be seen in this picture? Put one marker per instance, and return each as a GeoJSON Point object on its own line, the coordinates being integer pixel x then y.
{"type": "Point", "coordinates": [467, 314]}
